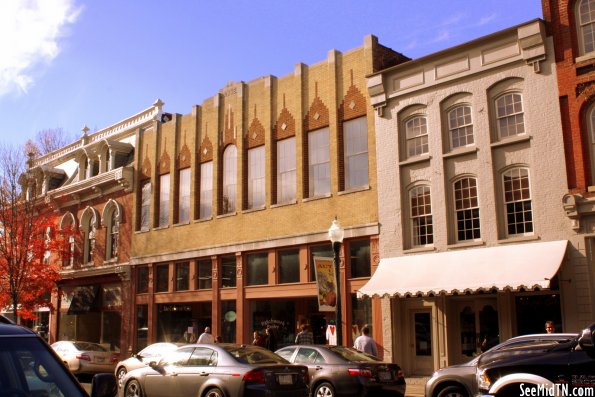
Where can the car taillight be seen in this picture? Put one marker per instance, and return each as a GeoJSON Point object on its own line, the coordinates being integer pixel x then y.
{"type": "Point", "coordinates": [84, 357]}
{"type": "Point", "coordinates": [400, 374]}
{"type": "Point", "coordinates": [114, 358]}
{"type": "Point", "coordinates": [365, 372]}
{"type": "Point", "coordinates": [254, 376]}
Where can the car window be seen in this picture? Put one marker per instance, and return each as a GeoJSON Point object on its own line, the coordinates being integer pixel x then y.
{"type": "Point", "coordinates": [254, 355]}
{"type": "Point", "coordinates": [203, 356]}
{"type": "Point", "coordinates": [27, 366]}
{"type": "Point", "coordinates": [306, 355]}
{"type": "Point", "coordinates": [286, 353]}
{"type": "Point", "coordinates": [179, 357]}
{"type": "Point", "coordinates": [92, 347]}
{"type": "Point", "coordinates": [351, 354]}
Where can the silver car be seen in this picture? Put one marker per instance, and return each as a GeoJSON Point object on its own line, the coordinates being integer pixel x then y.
{"type": "Point", "coordinates": [85, 357]}
{"type": "Point", "coordinates": [153, 352]}
{"type": "Point", "coordinates": [218, 370]}
{"type": "Point", "coordinates": [459, 380]}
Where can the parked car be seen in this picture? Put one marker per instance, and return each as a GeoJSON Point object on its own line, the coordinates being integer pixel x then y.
{"type": "Point", "coordinates": [85, 357]}
{"type": "Point", "coordinates": [28, 367]}
{"type": "Point", "coordinates": [218, 370]}
{"type": "Point", "coordinates": [153, 352]}
{"type": "Point", "coordinates": [540, 368]}
{"type": "Point", "coordinates": [459, 380]}
{"type": "Point", "coordinates": [345, 371]}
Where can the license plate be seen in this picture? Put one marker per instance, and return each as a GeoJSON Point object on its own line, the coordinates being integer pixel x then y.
{"type": "Point", "coordinates": [384, 375]}
{"type": "Point", "coordinates": [285, 379]}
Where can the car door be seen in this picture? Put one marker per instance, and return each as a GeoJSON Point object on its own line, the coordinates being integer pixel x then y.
{"type": "Point", "coordinates": [317, 365]}
{"type": "Point", "coordinates": [163, 381]}
{"type": "Point", "coordinates": [201, 367]}
{"type": "Point", "coordinates": [581, 372]}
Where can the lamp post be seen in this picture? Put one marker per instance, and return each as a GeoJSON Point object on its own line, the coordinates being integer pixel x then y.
{"type": "Point", "coordinates": [335, 234]}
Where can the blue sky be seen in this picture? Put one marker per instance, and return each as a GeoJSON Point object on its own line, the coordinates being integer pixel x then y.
{"type": "Point", "coordinates": [69, 63]}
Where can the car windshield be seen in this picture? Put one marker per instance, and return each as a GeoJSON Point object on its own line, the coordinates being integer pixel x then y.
{"type": "Point", "coordinates": [254, 355]}
{"type": "Point", "coordinates": [28, 368]}
{"type": "Point", "coordinates": [351, 354]}
{"type": "Point", "coordinates": [88, 346]}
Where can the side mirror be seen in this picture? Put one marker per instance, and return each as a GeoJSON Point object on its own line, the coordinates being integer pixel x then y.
{"type": "Point", "coordinates": [155, 365]}
{"type": "Point", "coordinates": [587, 340]}
{"type": "Point", "coordinates": [104, 385]}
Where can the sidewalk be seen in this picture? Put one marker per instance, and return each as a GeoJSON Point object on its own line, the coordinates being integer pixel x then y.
{"type": "Point", "coordinates": [415, 385]}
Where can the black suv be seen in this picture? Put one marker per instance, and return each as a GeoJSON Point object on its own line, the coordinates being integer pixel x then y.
{"type": "Point", "coordinates": [30, 368]}
{"type": "Point", "coordinates": [540, 368]}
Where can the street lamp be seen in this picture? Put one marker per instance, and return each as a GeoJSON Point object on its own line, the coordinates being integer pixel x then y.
{"type": "Point", "coordinates": [335, 234]}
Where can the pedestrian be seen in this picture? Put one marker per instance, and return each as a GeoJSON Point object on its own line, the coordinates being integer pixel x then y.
{"type": "Point", "coordinates": [271, 339]}
{"type": "Point", "coordinates": [549, 327]}
{"type": "Point", "coordinates": [258, 339]}
{"type": "Point", "coordinates": [304, 337]}
{"type": "Point", "coordinates": [206, 337]}
{"type": "Point", "coordinates": [365, 343]}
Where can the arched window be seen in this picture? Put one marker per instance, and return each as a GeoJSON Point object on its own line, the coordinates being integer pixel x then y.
{"type": "Point", "coordinates": [466, 209]}
{"type": "Point", "coordinates": [416, 135]}
{"type": "Point", "coordinates": [229, 179]}
{"type": "Point", "coordinates": [111, 218]}
{"type": "Point", "coordinates": [590, 122]}
{"type": "Point", "coordinates": [585, 17]}
{"type": "Point", "coordinates": [517, 202]}
{"type": "Point", "coordinates": [460, 127]}
{"type": "Point", "coordinates": [509, 115]}
{"type": "Point", "coordinates": [68, 226]}
{"type": "Point", "coordinates": [89, 225]}
{"type": "Point", "coordinates": [420, 207]}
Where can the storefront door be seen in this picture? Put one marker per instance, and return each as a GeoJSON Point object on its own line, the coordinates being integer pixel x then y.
{"type": "Point", "coordinates": [421, 342]}
{"type": "Point", "coordinates": [477, 328]}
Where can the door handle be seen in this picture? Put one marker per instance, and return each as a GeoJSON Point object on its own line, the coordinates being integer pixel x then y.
{"type": "Point", "coordinates": [204, 374]}
{"type": "Point", "coordinates": [318, 367]}
{"type": "Point", "coordinates": [173, 374]}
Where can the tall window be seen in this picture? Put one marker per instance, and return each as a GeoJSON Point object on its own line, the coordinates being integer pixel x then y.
{"type": "Point", "coordinates": [509, 115]}
{"type": "Point", "coordinates": [145, 205]}
{"type": "Point", "coordinates": [286, 170]}
{"type": "Point", "coordinates": [586, 19]}
{"type": "Point", "coordinates": [421, 216]}
{"type": "Point", "coordinates": [184, 196]}
{"type": "Point", "coordinates": [359, 251]}
{"type": "Point", "coordinates": [229, 179]}
{"type": "Point", "coordinates": [258, 268]}
{"type": "Point", "coordinates": [205, 277]}
{"type": "Point", "coordinates": [460, 127]}
{"type": "Point", "coordinates": [256, 177]}
{"type": "Point", "coordinates": [416, 134]}
{"type": "Point", "coordinates": [164, 200]}
{"type": "Point", "coordinates": [517, 201]}
{"type": "Point", "coordinates": [325, 250]}
{"type": "Point", "coordinates": [69, 243]}
{"type": "Point", "coordinates": [113, 235]}
{"type": "Point", "coordinates": [355, 135]}
{"type": "Point", "coordinates": [206, 190]}
{"type": "Point", "coordinates": [289, 266]}
{"type": "Point", "coordinates": [89, 232]}
{"type": "Point", "coordinates": [162, 278]}
{"type": "Point", "coordinates": [319, 162]}
{"type": "Point", "coordinates": [182, 276]}
{"type": "Point", "coordinates": [142, 280]}
{"type": "Point", "coordinates": [467, 209]}
{"type": "Point", "coordinates": [228, 271]}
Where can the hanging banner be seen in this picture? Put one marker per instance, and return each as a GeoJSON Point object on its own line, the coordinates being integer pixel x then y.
{"type": "Point", "coordinates": [326, 283]}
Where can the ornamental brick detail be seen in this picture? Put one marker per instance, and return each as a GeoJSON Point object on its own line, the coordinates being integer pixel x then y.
{"type": "Point", "coordinates": [206, 150]}
{"type": "Point", "coordinates": [353, 105]}
{"type": "Point", "coordinates": [184, 157]}
{"type": "Point", "coordinates": [145, 171]}
{"type": "Point", "coordinates": [255, 135]}
{"type": "Point", "coordinates": [164, 163]}
{"type": "Point", "coordinates": [317, 117]}
{"type": "Point", "coordinates": [229, 129]}
{"type": "Point", "coordinates": [285, 125]}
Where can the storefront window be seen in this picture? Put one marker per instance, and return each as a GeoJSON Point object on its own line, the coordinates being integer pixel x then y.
{"type": "Point", "coordinates": [325, 250]}
{"type": "Point", "coordinates": [162, 278]}
{"type": "Point", "coordinates": [360, 258]}
{"type": "Point", "coordinates": [258, 268]}
{"type": "Point", "coordinates": [182, 276]}
{"type": "Point", "coordinates": [173, 321]}
{"type": "Point", "coordinates": [205, 278]}
{"type": "Point", "coordinates": [142, 326]}
{"type": "Point", "coordinates": [289, 266]}
{"type": "Point", "coordinates": [361, 313]}
{"type": "Point", "coordinates": [228, 321]}
{"type": "Point", "coordinates": [277, 315]}
{"type": "Point", "coordinates": [142, 280]}
{"type": "Point", "coordinates": [228, 271]}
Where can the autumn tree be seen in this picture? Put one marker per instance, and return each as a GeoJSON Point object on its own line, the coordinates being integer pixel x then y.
{"type": "Point", "coordinates": [27, 275]}
{"type": "Point", "coordinates": [47, 140]}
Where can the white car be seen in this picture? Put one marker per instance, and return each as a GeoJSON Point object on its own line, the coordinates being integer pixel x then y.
{"type": "Point", "coordinates": [141, 359]}
{"type": "Point", "coordinates": [86, 357]}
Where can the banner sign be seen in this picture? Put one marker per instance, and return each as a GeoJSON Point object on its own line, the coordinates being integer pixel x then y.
{"type": "Point", "coordinates": [326, 283]}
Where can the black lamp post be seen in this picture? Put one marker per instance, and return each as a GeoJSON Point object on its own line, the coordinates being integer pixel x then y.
{"type": "Point", "coordinates": [335, 234]}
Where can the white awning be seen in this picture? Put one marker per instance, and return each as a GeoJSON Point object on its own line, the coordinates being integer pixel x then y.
{"type": "Point", "coordinates": [526, 266]}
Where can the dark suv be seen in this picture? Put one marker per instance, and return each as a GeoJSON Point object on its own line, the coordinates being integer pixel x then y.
{"type": "Point", "coordinates": [540, 368]}
{"type": "Point", "coordinates": [29, 368]}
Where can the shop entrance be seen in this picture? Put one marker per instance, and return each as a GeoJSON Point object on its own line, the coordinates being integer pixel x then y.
{"type": "Point", "coordinates": [477, 327]}
{"type": "Point", "coordinates": [421, 341]}
{"type": "Point", "coordinates": [532, 311]}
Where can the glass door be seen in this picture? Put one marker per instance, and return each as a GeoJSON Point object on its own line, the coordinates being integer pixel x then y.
{"type": "Point", "coordinates": [478, 328]}
{"type": "Point", "coordinates": [421, 342]}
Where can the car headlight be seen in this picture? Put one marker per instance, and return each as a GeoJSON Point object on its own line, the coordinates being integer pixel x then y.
{"type": "Point", "coordinates": [483, 380]}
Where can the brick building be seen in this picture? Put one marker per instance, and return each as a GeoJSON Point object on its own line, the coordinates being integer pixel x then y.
{"type": "Point", "coordinates": [89, 185]}
{"type": "Point", "coordinates": [234, 199]}
{"type": "Point", "coordinates": [474, 244]}
{"type": "Point", "coordinates": [572, 24]}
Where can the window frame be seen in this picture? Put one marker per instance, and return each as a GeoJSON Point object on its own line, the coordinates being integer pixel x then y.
{"type": "Point", "coordinates": [183, 215]}
{"type": "Point", "coordinates": [465, 209]}
{"type": "Point", "coordinates": [157, 286]}
{"type": "Point", "coordinates": [286, 173]}
{"type": "Point", "coordinates": [415, 218]}
{"type": "Point", "coordinates": [206, 190]}
{"type": "Point", "coordinates": [451, 128]}
{"type": "Point", "coordinates": [498, 117]}
{"type": "Point", "coordinates": [351, 151]}
{"type": "Point", "coordinates": [407, 139]}
{"type": "Point", "coordinates": [509, 205]}
{"type": "Point", "coordinates": [253, 279]}
{"type": "Point", "coordinates": [145, 206]}
{"type": "Point", "coordinates": [319, 163]}
{"type": "Point", "coordinates": [229, 180]}
{"type": "Point", "coordinates": [164, 200]}
{"type": "Point", "coordinates": [256, 177]}
{"type": "Point", "coordinates": [580, 27]}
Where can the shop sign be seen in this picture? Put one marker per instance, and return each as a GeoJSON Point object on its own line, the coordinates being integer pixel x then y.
{"type": "Point", "coordinates": [326, 283]}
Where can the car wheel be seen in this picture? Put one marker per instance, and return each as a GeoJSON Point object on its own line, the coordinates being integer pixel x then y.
{"type": "Point", "coordinates": [133, 389]}
{"type": "Point", "coordinates": [214, 393]}
{"type": "Point", "coordinates": [324, 389]}
{"type": "Point", "coordinates": [452, 391]}
{"type": "Point", "coordinates": [120, 374]}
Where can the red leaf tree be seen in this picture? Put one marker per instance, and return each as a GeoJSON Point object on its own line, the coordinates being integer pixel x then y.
{"type": "Point", "coordinates": [28, 272]}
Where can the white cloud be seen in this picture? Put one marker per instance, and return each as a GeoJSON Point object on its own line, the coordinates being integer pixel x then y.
{"type": "Point", "coordinates": [30, 31]}
{"type": "Point", "coordinates": [487, 19]}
